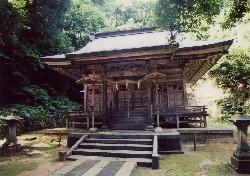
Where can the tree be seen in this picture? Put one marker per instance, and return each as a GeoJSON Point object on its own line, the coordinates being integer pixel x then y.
{"type": "Point", "coordinates": [29, 29]}
{"type": "Point", "coordinates": [233, 75]}
{"type": "Point", "coordinates": [234, 10]}
{"type": "Point", "coordinates": [45, 21]}
{"type": "Point", "coordinates": [191, 15]}
{"type": "Point", "coordinates": [82, 21]}
{"type": "Point", "coordinates": [130, 14]}
{"type": "Point", "coordinates": [182, 15]}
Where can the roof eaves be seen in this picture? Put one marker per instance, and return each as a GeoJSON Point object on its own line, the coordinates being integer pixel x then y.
{"type": "Point", "coordinates": [106, 53]}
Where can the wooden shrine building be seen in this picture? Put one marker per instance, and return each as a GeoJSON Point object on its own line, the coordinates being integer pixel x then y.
{"type": "Point", "coordinates": [133, 79]}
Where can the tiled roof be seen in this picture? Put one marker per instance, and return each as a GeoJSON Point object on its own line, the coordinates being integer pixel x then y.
{"type": "Point", "coordinates": [134, 39]}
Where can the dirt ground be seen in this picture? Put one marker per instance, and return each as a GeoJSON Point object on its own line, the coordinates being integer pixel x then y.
{"type": "Point", "coordinates": [39, 158]}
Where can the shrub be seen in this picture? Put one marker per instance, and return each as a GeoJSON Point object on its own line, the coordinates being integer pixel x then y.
{"type": "Point", "coordinates": [46, 111]}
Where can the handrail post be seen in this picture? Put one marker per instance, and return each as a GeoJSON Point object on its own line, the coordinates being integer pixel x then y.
{"type": "Point", "coordinates": [64, 154]}
{"type": "Point", "coordinates": [155, 155]}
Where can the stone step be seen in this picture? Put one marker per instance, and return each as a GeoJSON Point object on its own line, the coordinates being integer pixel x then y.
{"type": "Point", "coordinates": [129, 118]}
{"type": "Point", "coordinates": [127, 126]}
{"type": "Point", "coordinates": [135, 147]}
{"type": "Point", "coordinates": [122, 135]}
{"type": "Point", "coordinates": [119, 141]}
{"type": "Point", "coordinates": [113, 153]}
{"type": "Point", "coordinates": [131, 114]}
{"type": "Point", "coordinates": [131, 122]}
{"type": "Point", "coordinates": [142, 162]}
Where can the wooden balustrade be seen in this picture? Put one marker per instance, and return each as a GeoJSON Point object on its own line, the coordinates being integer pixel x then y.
{"type": "Point", "coordinates": [194, 115]}
{"type": "Point", "coordinates": [82, 119]}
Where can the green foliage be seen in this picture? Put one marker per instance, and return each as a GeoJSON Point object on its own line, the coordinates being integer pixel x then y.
{"type": "Point", "coordinates": [231, 106]}
{"type": "Point", "coordinates": [45, 111]}
{"type": "Point", "coordinates": [234, 10]}
{"type": "Point", "coordinates": [122, 15]}
{"type": "Point", "coordinates": [233, 74]}
{"type": "Point", "coordinates": [182, 15]}
{"type": "Point", "coordinates": [25, 111]}
{"type": "Point", "coordinates": [82, 21]}
{"type": "Point", "coordinates": [247, 107]}
{"type": "Point", "coordinates": [198, 16]}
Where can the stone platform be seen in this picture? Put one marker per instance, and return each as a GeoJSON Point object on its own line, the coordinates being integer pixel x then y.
{"type": "Point", "coordinates": [203, 135]}
{"type": "Point", "coordinates": [206, 135]}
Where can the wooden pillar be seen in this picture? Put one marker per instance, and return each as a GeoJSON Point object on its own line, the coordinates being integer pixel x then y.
{"type": "Point", "coordinates": [149, 112]}
{"type": "Point", "coordinates": [93, 106]}
{"type": "Point", "coordinates": [116, 98]}
{"type": "Point", "coordinates": [133, 98]}
{"type": "Point", "coordinates": [158, 104]}
{"type": "Point", "coordinates": [128, 99]}
{"type": "Point", "coordinates": [85, 97]}
{"type": "Point", "coordinates": [105, 101]}
{"type": "Point", "coordinates": [112, 98]}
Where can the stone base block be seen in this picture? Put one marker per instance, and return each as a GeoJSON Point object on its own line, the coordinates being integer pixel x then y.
{"type": "Point", "coordinates": [104, 127]}
{"type": "Point", "coordinates": [149, 128]}
{"type": "Point", "coordinates": [10, 150]}
{"type": "Point", "coordinates": [158, 129]}
{"type": "Point", "coordinates": [155, 161]}
{"type": "Point", "coordinates": [93, 130]}
{"type": "Point", "coordinates": [240, 165]}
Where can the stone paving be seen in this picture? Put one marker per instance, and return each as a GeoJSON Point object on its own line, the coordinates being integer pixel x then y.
{"type": "Point", "coordinates": [82, 168]}
{"type": "Point", "coordinates": [97, 166]}
{"type": "Point", "coordinates": [111, 169]}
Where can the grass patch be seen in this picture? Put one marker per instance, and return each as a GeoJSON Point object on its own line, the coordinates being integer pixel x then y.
{"type": "Point", "coordinates": [52, 154]}
{"type": "Point", "coordinates": [208, 160]}
{"type": "Point", "coordinates": [14, 168]}
{"type": "Point", "coordinates": [216, 123]}
{"type": "Point", "coordinates": [174, 165]}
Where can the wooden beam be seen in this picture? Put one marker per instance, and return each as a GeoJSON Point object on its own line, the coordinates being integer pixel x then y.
{"type": "Point", "coordinates": [68, 74]}
{"type": "Point", "coordinates": [55, 63]}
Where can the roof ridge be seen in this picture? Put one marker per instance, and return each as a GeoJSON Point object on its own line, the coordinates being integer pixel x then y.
{"type": "Point", "coordinates": [124, 32]}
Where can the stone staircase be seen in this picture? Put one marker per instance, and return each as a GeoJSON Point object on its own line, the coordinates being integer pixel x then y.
{"type": "Point", "coordinates": [135, 119]}
{"type": "Point", "coordinates": [117, 153]}
{"type": "Point", "coordinates": [126, 147]}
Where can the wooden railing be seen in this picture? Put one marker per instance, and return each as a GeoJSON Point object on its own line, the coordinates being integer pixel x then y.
{"type": "Point", "coordinates": [64, 154]}
{"type": "Point", "coordinates": [82, 118]}
{"type": "Point", "coordinates": [195, 115]}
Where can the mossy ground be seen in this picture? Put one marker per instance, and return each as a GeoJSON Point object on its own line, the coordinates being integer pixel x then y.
{"type": "Point", "coordinates": [41, 150]}
{"type": "Point", "coordinates": [41, 156]}
{"type": "Point", "coordinates": [13, 168]}
{"type": "Point", "coordinates": [207, 160]}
